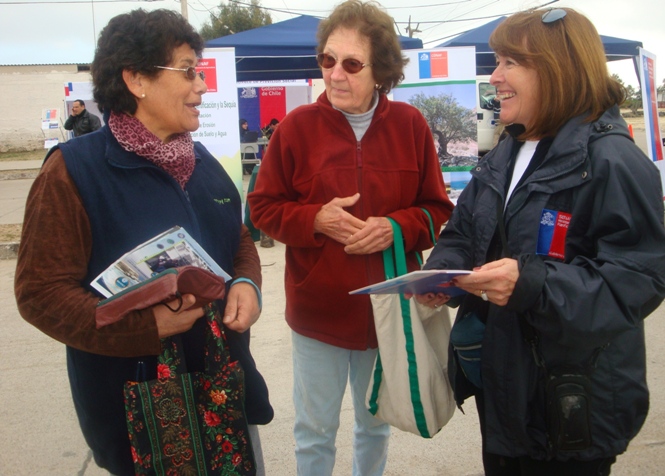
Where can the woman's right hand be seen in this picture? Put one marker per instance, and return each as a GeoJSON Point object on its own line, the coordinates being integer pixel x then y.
{"type": "Point", "coordinates": [171, 323]}
{"type": "Point", "coordinates": [430, 299]}
{"type": "Point", "coordinates": [333, 221]}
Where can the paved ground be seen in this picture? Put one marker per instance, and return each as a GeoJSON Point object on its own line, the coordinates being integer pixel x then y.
{"type": "Point", "coordinates": [39, 434]}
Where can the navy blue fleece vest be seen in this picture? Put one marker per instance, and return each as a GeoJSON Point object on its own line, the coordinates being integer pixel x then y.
{"type": "Point", "coordinates": [129, 200]}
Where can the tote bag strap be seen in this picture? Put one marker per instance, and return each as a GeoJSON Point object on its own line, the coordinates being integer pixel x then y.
{"type": "Point", "coordinates": [431, 225]}
{"type": "Point", "coordinates": [419, 255]}
{"type": "Point", "coordinates": [394, 260]}
{"type": "Point", "coordinates": [394, 257]}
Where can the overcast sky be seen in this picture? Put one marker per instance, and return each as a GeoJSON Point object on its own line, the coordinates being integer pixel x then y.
{"type": "Point", "coordinates": [57, 32]}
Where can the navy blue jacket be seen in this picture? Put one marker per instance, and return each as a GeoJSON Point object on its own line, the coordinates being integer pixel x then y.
{"type": "Point", "coordinates": [610, 277]}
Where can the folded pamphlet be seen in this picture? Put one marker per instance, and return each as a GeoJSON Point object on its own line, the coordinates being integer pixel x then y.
{"type": "Point", "coordinates": [173, 248]}
{"type": "Point", "coordinates": [418, 282]}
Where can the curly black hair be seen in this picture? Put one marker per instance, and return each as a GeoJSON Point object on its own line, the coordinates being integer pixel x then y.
{"type": "Point", "coordinates": [136, 41]}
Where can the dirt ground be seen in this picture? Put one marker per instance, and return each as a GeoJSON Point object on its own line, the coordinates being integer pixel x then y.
{"type": "Point", "coordinates": [30, 155]}
{"type": "Point", "coordinates": [10, 233]}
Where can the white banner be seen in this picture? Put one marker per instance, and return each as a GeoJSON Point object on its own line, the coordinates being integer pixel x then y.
{"type": "Point", "coordinates": [218, 128]}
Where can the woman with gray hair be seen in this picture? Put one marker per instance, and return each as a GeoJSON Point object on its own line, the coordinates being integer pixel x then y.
{"type": "Point", "coordinates": [327, 194]}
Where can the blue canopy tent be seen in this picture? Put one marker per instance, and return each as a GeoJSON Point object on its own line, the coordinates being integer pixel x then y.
{"type": "Point", "coordinates": [284, 50]}
{"type": "Point", "coordinates": [615, 48]}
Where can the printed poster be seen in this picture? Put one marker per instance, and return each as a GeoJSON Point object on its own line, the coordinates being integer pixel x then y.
{"type": "Point", "coordinates": [650, 107]}
{"type": "Point", "coordinates": [261, 101]}
{"type": "Point", "coordinates": [218, 121]}
{"type": "Point", "coordinates": [441, 82]}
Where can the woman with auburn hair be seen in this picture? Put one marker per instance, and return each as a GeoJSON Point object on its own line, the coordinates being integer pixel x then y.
{"type": "Point", "coordinates": [562, 225]}
{"type": "Point", "coordinates": [327, 195]}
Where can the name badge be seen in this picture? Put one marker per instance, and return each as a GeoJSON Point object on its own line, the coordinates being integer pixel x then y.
{"type": "Point", "coordinates": [552, 233]}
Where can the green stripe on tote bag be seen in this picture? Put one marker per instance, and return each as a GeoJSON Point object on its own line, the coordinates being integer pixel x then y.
{"type": "Point", "coordinates": [407, 354]}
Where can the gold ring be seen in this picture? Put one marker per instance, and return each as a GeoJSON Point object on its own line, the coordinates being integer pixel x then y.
{"type": "Point", "coordinates": [483, 296]}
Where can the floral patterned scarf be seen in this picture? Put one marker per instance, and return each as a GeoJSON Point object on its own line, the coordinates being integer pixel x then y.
{"type": "Point", "coordinates": [176, 157]}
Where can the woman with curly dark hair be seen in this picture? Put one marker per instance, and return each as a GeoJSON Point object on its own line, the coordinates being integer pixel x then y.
{"type": "Point", "coordinates": [102, 194]}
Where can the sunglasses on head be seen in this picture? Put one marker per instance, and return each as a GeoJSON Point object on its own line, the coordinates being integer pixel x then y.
{"type": "Point", "coordinates": [190, 72]}
{"type": "Point", "coordinates": [350, 65]}
{"type": "Point", "coordinates": [550, 16]}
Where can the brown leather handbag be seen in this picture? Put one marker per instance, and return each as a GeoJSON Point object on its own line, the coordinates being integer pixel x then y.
{"type": "Point", "coordinates": [169, 285]}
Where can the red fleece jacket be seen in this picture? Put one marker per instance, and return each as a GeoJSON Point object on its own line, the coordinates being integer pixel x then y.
{"type": "Point", "coordinates": [314, 157]}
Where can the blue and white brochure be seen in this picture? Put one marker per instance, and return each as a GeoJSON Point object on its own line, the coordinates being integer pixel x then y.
{"type": "Point", "coordinates": [418, 282]}
{"type": "Point", "coordinates": [171, 249]}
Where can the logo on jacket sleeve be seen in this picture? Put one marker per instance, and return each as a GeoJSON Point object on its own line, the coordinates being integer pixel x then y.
{"type": "Point", "coordinates": [552, 233]}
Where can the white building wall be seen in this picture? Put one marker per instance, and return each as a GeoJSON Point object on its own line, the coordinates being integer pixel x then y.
{"type": "Point", "coordinates": [26, 92]}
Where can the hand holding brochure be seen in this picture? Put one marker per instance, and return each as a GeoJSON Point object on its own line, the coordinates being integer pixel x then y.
{"type": "Point", "coordinates": [169, 285]}
{"type": "Point", "coordinates": [418, 282]}
{"type": "Point", "coordinates": [171, 249]}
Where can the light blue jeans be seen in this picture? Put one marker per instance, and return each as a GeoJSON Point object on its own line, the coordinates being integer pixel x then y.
{"type": "Point", "coordinates": [320, 374]}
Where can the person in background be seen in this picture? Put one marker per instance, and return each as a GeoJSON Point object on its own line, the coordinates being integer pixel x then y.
{"type": "Point", "coordinates": [101, 195]}
{"type": "Point", "coordinates": [562, 225]}
{"type": "Point", "coordinates": [81, 121]}
{"type": "Point", "coordinates": [244, 127]}
{"type": "Point", "coordinates": [270, 128]}
{"type": "Point", "coordinates": [327, 196]}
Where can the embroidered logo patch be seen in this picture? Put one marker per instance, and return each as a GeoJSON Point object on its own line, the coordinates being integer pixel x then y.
{"type": "Point", "coordinates": [552, 233]}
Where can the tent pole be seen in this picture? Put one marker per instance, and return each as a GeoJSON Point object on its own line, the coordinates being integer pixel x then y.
{"type": "Point", "coordinates": [183, 9]}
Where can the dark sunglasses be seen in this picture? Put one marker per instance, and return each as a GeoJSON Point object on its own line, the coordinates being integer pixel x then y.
{"type": "Point", "coordinates": [350, 65]}
{"type": "Point", "coordinates": [190, 72]}
{"type": "Point", "coordinates": [550, 16]}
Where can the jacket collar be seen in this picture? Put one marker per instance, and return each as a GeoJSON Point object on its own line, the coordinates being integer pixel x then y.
{"type": "Point", "coordinates": [339, 122]}
{"type": "Point", "coordinates": [569, 149]}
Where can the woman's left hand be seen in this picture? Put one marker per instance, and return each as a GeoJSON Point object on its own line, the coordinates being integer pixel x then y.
{"type": "Point", "coordinates": [242, 307]}
{"type": "Point", "coordinates": [376, 235]}
{"type": "Point", "coordinates": [496, 280]}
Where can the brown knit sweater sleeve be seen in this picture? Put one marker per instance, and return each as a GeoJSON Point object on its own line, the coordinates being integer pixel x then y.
{"type": "Point", "coordinates": [246, 262]}
{"type": "Point", "coordinates": [52, 262]}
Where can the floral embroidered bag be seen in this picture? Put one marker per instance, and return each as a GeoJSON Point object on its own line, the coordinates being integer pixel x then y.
{"type": "Point", "coordinates": [191, 423]}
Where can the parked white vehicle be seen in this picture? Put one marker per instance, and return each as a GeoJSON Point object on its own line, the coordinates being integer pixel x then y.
{"type": "Point", "coordinates": [488, 114]}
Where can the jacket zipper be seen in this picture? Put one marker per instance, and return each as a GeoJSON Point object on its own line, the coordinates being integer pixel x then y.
{"type": "Point", "coordinates": [359, 166]}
